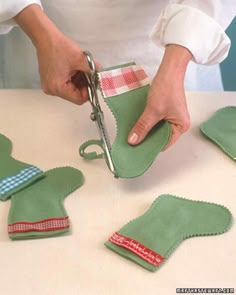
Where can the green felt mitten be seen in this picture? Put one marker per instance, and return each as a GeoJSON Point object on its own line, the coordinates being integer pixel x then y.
{"type": "Point", "coordinates": [38, 211]}
{"type": "Point", "coordinates": [124, 89]}
{"type": "Point", "coordinates": [221, 129]}
{"type": "Point", "coordinates": [14, 175]}
{"type": "Point", "coordinates": [150, 239]}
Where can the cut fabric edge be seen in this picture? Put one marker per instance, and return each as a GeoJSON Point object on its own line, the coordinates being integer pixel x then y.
{"type": "Point", "coordinates": [204, 129]}
{"type": "Point", "coordinates": [218, 143]}
{"type": "Point", "coordinates": [94, 154]}
{"type": "Point", "coordinates": [39, 235]}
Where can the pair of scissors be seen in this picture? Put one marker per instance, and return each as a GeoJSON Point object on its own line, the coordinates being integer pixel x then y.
{"type": "Point", "coordinates": [97, 114]}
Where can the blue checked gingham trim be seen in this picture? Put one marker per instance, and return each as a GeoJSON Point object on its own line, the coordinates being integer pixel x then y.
{"type": "Point", "coordinates": [12, 182]}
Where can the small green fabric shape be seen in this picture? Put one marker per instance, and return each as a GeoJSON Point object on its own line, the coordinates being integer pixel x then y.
{"type": "Point", "coordinates": [14, 175]}
{"type": "Point", "coordinates": [150, 239]}
{"type": "Point", "coordinates": [221, 129]}
{"type": "Point", "coordinates": [124, 89]}
{"type": "Point", "coordinates": [38, 211]}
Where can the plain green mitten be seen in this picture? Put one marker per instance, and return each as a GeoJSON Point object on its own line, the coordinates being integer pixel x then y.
{"type": "Point", "coordinates": [124, 89]}
{"type": "Point", "coordinates": [150, 239]}
{"type": "Point", "coordinates": [14, 175]}
{"type": "Point", "coordinates": [38, 211]}
{"type": "Point", "coordinates": [221, 129]}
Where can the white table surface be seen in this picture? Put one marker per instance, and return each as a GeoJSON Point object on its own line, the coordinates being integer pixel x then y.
{"type": "Point", "coordinates": [46, 132]}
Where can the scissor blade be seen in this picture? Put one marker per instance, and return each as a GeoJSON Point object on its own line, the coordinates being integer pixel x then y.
{"type": "Point", "coordinates": [97, 114]}
{"type": "Point", "coordinates": [105, 140]}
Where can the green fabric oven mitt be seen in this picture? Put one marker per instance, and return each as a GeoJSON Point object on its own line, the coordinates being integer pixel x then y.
{"type": "Point", "coordinates": [14, 175]}
{"type": "Point", "coordinates": [221, 129]}
{"type": "Point", "coordinates": [38, 211]}
{"type": "Point", "coordinates": [151, 238]}
{"type": "Point", "coordinates": [124, 89]}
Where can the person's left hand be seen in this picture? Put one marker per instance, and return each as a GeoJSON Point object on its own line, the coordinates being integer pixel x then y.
{"type": "Point", "coordinates": [166, 101]}
{"type": "Point", "coordinates": [166, 98]}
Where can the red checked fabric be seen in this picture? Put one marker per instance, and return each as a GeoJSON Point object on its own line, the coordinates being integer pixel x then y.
{"type": "Point", "coordinates": [40, 226]}
{"type": "Point", "coordinates": [118, 81]}
{"type": "Point", "coordinates": [137, 248]}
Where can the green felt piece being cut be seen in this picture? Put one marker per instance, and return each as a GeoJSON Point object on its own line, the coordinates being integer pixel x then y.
{"type": "Point", "coordinates": [14, 175]}
{"type": "Point", "coordinates": [221, 129]}
{"type": "Point", "coordinates": [132, 161]}
{"type": "Point", "coordinates": [38, 211]}
{"type": "Point", "coordinates": [150, 239]}
{"type": "Point", "coordinates": [127, 106]}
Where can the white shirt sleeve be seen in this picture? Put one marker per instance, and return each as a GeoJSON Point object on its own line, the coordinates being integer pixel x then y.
{"type": "Point", "coordinates": [9, 9]}
{"type": "Point", "coordinates": [197, 25]}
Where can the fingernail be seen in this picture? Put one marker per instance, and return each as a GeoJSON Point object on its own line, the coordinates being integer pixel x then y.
{"type": "Point", "coordinates": [133, 138]}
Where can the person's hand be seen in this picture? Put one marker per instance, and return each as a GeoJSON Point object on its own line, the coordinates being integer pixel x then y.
{"type": "Point", "coordinates": [166, 98]}
{"type": "Point", "coordinates": [61, 61]}
{"type": "Point", "coordinates": [62, 64]}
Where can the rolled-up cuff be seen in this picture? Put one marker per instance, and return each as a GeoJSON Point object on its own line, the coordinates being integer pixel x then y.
{"type": "Point", "coordinates": [9, 10]}
{"type": "Point", "coordinates": [193, 29]}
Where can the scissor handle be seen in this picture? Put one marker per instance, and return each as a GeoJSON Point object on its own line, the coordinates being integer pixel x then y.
{"type": "Point", "coordinates": [97, 114]}
{"type": "Point", "coordinates": [90, 63]}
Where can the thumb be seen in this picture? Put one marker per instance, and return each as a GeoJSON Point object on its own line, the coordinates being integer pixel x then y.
{"type": "Point", "coordinates": [147, 120]}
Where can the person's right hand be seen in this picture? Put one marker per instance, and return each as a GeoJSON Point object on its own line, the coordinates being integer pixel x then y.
{"type": "Point", "coordinates": [61, 60]}
{"type": "Point", "coordinates": [61, 66]}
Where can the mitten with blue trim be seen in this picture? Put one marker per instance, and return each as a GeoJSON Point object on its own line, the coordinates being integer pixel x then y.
{"type": "Point", "coordinates": [14, 175]}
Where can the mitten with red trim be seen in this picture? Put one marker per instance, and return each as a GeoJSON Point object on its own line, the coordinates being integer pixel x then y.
{"type": "Point", "coordinates": [38, 211]}
{"type": "Point", "coordinates": [151, 238]}
{"type": "Point", "coordinates": [14, 175]}
{"type": "Point", "coordinates": [124, 89]}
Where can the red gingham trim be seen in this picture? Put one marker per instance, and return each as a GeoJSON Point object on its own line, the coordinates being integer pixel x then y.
{"type": "Point", "coordinates": [139, 249]}
{"type": "Point", "coordinates": [39, 226]}
{"type": "Point", "coordinates": [118, 81]}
